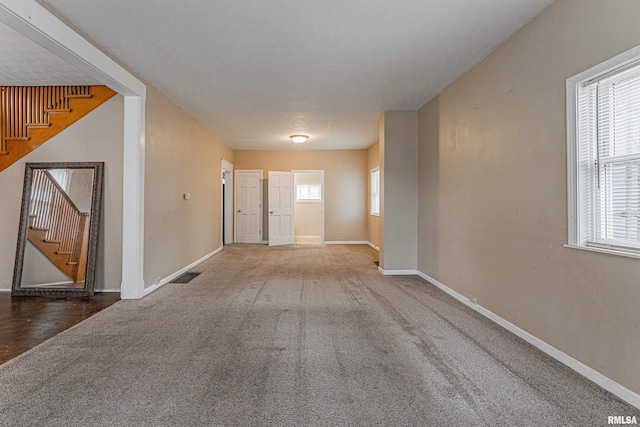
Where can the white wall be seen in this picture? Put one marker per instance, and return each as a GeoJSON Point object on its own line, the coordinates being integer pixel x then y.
{"type": "Point", "coordinates": [97, 137]}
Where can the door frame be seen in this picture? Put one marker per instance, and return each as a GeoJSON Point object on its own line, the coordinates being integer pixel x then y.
{"type": "Point", "coordinates": [321, 172]}
{"type": "Point", "coordinates": [235, 202]}
{"type": "Point", "coordinates": [226, 208]}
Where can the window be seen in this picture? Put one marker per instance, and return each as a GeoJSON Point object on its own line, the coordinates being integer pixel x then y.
{"type": "Point", "coordinates": [308, 192]}
{"type": "Point", "coordinates": [604, 160]}
{"type": "Point", "coordinates": [375, 191]}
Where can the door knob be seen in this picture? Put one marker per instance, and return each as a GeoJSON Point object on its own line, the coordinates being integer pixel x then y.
{"type": "Point", "coordinates": [271, 212]}
{"type": "Point", "coordinates": [239, 211]}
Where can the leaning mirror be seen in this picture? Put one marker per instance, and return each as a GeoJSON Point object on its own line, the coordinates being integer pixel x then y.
{"type": "Point", "coordinates": [58, 233]}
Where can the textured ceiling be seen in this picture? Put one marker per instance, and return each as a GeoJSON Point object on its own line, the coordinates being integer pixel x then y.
{"type": "Point", "coordinates": [256, 71]}
{"type": "Point", "coordinates": [22, 62]}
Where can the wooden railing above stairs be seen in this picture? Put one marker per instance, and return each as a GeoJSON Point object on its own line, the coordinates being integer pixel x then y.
{"type": "Point", "coordinates": [57, 227]}
{"type": "Point", "coordinates": [30, 115]}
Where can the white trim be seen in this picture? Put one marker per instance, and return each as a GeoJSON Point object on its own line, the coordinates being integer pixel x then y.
{"type": "Point", "coordinates": [397, 272]}
{"type": "Point", "coordinates": [35, 22]}
{"type": "Point", "coordinates": [265, 242]}
{"type": "Point", "coordinates": [347, 242]}
{"type": "Point", "coordinates": [178, 273]}
{"type": "Point", "coordinates": [584, 370]}
{"type": "Point", "coordinates": [604, 250]}
{"type": "Point", "coordinates": [374, 246]}
{"type": "Point", "coordinates": [104, 291]}
{"type": "Point", "coordinates": [5, 290]}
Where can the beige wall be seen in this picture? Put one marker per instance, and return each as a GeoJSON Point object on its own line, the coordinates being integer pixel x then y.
{"type": "Point", "coordinates": [399, 210]}
{"type": "Point", "coordinates": [97, 137]}
{"type": "Point", "coordinates": [493, 215]}
{"type": "Point", "coordinates": [373, 221]}
{"type": "Point", "coordinates": [345, 180]}
{"type": "Point", "coordinates": [181, 156]}
{"type": "Point", "coordinates": [308, 214]}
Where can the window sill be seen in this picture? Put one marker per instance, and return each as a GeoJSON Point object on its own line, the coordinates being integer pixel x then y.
{"type": "Point", "coordinates": [605, 251]}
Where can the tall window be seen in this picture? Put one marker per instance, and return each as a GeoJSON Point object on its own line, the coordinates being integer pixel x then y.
{"type": "Point", "coordinates": [606, 161]}
{"type": "Point", "coordinates": [375, 191]}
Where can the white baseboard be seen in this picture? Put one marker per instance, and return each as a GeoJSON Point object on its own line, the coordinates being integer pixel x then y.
{"type": "Point", "coordinates": [178, 273]}
{"type": "Point", "coordinates": [100, 291]}
{"type": "Point", "coordinates": [265, 242]}
{"type": "Point", "coordinates": [584, 370]}
{"type": "Point", "coordinates": [397, 272]}
{"type": "Point", "coordinates": [5, 290]}
{"type": "Point", "coordinates": [373, 246]}
{"type": "Point", "coordinates": [346, 242]}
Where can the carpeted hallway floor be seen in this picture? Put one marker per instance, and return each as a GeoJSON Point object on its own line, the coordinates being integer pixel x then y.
{"type": "Point", "coordinates": [295, 336]}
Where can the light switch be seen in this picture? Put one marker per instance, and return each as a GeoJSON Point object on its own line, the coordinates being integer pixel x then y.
{"type": "Point", "coordinates": [186, 196]}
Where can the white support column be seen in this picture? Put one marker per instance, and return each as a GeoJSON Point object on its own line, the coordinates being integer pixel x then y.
{"type": "Point", "coordinates": [132, 286]}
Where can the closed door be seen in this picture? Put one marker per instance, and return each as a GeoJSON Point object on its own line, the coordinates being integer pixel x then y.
{"type": "Point", "coordinates": [248, 206]}
{"type": "Point", "coordinates": [281, 225]}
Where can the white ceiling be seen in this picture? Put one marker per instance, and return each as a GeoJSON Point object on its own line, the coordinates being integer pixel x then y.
{"type": "Point", "coordinates": [256, 71]}
{"type": "Point", "coordinates": [22, 62]}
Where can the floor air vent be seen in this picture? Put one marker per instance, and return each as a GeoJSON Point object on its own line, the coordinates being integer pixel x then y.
{"type": "Point", "coordinates": [186, 278]}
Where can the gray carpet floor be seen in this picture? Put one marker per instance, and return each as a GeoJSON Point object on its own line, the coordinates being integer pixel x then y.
{"type": "Point", "coordinates": [295, 336]}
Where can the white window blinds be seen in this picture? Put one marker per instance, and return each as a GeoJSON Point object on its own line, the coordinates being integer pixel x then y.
{"type": "Point", "coordinates": [609, 160]}
{"type": "Point", "coordinates": [310, 192]}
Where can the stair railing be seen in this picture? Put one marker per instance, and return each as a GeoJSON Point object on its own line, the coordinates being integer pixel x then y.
{"type": "Point", "coordinates": [52, 210]}
{"type": "Point", "coordinates": [24, 107]}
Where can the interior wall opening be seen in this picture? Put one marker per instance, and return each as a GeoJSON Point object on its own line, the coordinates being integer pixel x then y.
{"type": "Point", "coordinates": [309, 207]}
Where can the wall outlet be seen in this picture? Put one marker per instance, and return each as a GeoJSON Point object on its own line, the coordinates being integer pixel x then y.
{"type": "Point", "coordinates": [186, 196]}
{"type": "Point", "coordinates": [473, 299]}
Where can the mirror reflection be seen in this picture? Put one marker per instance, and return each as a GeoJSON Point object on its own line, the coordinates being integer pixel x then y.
{"type": "Point", "coordinates": [56, 231]}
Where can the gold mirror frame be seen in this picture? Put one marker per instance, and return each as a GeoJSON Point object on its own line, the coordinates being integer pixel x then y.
{"type": "Point", "coordinates": [74, 231]}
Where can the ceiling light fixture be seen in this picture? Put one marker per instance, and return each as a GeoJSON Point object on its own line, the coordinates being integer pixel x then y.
{"type": "Point", "coordinates": [299, 139]}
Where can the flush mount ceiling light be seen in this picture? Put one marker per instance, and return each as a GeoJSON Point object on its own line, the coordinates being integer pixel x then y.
{"type": "Point", "coordinates": [299, 139]}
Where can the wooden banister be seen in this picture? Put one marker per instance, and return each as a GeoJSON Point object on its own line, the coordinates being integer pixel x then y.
{"type": "Point", "coordinates": [52, 210]}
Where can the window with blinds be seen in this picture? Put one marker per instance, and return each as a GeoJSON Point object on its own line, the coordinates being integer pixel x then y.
{"type": "Point", "coordinates": [608, 160]}
{"type": "Point", "coordinates": [308, 192]}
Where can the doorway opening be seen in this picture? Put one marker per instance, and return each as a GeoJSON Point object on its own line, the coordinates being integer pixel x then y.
{"type": "Point", "coordinates": [309, 206]}
{"type": "Point", "coordinates": [226, 231]}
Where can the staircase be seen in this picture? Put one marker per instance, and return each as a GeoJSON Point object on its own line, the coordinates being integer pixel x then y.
{"type": "Point", "coordinates": [57, 227]}
{"type": "Point", "coordinates": [30, 115]}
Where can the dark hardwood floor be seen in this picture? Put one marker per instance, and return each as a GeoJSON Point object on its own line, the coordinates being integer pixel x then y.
{"type": "Point", "coordinates": [25, 322]}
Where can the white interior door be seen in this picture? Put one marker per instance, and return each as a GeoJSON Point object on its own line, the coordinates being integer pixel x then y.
{"type": "Point", "coordinates": [248, 206]}
{"type": "Point", "coordinates": [281, 225]}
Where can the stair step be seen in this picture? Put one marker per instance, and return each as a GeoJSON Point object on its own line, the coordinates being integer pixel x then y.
{"type": "Point", "coordinates": [16, 138]}
{"type": "Point", "coordinates": [72, 263]}
{"type": "Point", "coordinates": [37, 125]}
{"type": "Point", "coordinates": [4, 153]}
{"type": "Point", "coordinates": [57, 110]}
{"type": "Point", "coordinates": [63, 253]}
{"type": "Point", "coordinates": [39, 228]}
{"type": "Point", "coordinates": [52, 241]}
{"type": "Point", "coordinates": [82, 95]}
